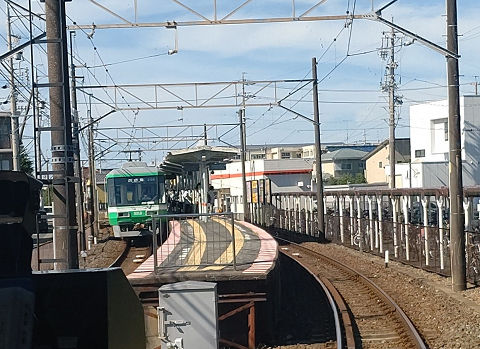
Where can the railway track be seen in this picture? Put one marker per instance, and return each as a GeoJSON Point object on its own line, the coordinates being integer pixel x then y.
{"type": "Point", "coordinates": [377, 321]}
{"type": "Point", "coordinates": [131, 256]}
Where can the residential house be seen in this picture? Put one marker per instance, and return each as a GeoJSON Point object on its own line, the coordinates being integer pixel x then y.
{"type": "Point", "coordinates": [378, 160]}
{"type": "Point", "coordinates": [342, 162]}
{"type": "Point", "coordinates": [296, 151]}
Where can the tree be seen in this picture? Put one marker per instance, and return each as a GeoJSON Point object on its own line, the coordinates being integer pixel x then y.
{"type": "Point", "coordinates": [346, 179]}
{"type": "Point", "coordinates": [26, 164]}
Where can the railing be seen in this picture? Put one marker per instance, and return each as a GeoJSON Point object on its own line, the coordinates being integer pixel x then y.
{"type": "Point", "coordinates": [185, 244]}
{"type": "Point", "coordinates": [411, 224]}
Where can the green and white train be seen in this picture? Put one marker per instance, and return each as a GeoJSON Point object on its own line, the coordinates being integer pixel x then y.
{"type": "Point", "coordinates": [135, 192]}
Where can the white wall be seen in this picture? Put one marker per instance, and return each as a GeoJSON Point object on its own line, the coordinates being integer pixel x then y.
{"type": "Point", "coordinates": [402, 175]}
{"type": "Point", "coordinates": [427, 132]}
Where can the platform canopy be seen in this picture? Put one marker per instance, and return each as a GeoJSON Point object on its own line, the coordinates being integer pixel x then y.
{"type": "Point", "coordinates": [189, 159]}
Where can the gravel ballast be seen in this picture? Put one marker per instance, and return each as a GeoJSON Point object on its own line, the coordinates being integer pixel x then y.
{"type": "Point", "coordinates": [445, 319]}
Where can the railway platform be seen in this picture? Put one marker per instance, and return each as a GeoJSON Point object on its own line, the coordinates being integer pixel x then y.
{"type": "Point", "coordinates": [206, 248]}
{"type": "Point", "coordinates": [238, 256]}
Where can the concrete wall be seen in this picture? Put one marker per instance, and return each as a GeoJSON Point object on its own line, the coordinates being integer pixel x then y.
{"type": "Point", "coordinates": [427, 132]}
{"type": "Point", "coordinates": [435, 174]}
{"type": "Point", "coordinates": [427, 129]}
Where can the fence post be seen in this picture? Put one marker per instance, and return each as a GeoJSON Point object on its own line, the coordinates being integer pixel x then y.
{"type": "Point", "coordinates": [405, 222]}
{"type": "Point", "coordinates": [154, 237]}
{"type": "Point", "coordinates": [307, 216]}
{"type": "Point", "coordinates": [281, 214]}
{"type": "Point", "coordinates": [440, 229]}
{"type": "Point", "coordinates": [340, 212]}
{"type": "Point", "coordinates": [359, 224]}
{"type": "Point", "coordinates": [233, 242]}
{"type": "Point", "coordinates": [350, 203]}
{"type": "Point", "coordinates": [467, 209]}
{"type": "Point", "coordinates": [394, 200]}
{"type": "Point", "coordinates": [425, 228]}
{"type": "Point", "coordinates": [370, 221]}
{"type": "Point", "coordinates": [379, 218]}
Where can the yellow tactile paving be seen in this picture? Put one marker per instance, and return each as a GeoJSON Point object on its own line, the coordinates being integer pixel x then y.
{"type": "Point", "coordinates": [227, 255]}
{"type": "Point", "coordinates": [194, 257]}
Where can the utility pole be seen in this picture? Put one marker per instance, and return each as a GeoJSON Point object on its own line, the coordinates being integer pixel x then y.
{"type": "Point", "coordinates": [91, 166]}
{"type": "Point", "coordinates": [37, 122]}
{"type": "Point", "coordinates": [76, 154]}
{"type": "Point", "coordinates": [205, 141]}
{"type": "Point", "coordinates": [15, 138]}
{"type": "Point", "coordinates": [65, 230]}
{"type": "Point", "coordinates": [457, 219]}
{"type": "Point", "coordinates": [246, 212]}
{"type": "Point", "coordinates": [243, 151]}
{"type": "Point", "coordinates": [391, 103]}
{"type": "Point", "coordinates": [318, 154]}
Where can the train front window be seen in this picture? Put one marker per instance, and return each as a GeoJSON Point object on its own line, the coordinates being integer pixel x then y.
{"type": "Point", "coordinates": [135, 191]}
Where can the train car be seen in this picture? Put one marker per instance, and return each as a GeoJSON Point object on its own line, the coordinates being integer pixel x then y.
{"type": "Point", "coordinates": [135, 192]}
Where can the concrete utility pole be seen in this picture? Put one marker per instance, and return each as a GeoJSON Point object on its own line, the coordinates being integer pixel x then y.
{"type": "Point", "coordinates": [38, 150]}
{"type": "Point", "coordinates": [76, 154]}
{"type": "Point", "coordinates": [65, 230]}
{"type": "Point", "coordinates": [391, 103]}
{"type": "Point", "coordinates": [15, 138]}
{"type": "Point", "coordinates": [91, 166]}
{"type": "Point", "coordinates": [457, 219]}
{"type": "Point", "coordinates": [243, 152]}
{"type": "Point", "coordinates": [246, 212]}
{"type": "Point", "coordinates": [318, 154]}
{"type": "Point", "coordinates": [205, 139]}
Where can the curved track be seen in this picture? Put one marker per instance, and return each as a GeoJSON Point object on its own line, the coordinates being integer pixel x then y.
{"type": "Point", "coordinates": [132, 256]}
{"type": "Point", "coordinates": [343, 322]}
{"type": "Point", "coordinates": [379, 321]}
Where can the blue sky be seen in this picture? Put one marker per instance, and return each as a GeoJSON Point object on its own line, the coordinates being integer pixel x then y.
{"type": "Point", "coordinates": [351, 100]}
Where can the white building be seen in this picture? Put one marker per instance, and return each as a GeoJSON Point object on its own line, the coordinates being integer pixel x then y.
{"type": "Point", "coordinates": [429, 142]}
{"type": "Point", "coordinates": [287, 175]}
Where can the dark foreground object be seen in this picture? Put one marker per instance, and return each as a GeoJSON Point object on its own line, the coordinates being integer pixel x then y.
{"type": "Point", "coordinates": [87, 309]}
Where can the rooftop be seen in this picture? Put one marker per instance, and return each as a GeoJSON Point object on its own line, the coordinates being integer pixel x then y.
{"type": "Point", "coordinates": [344, 154]}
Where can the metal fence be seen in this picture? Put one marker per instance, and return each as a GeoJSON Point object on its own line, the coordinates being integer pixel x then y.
{"type": "Point", "coordinates": [411, 225]}
{"type": "Point", "coordinates": [182, 242]}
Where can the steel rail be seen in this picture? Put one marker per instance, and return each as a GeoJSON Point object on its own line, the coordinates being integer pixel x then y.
{"type": "Point", "coordinates": [405, 320]}
{"type": "Point", "coordinates": [337, 304]}
{"type": "Point", "coordinates": [117, 263]}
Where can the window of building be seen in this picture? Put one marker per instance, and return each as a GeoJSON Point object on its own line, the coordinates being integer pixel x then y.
{"type": "Point", "coordinates": [420, 153]}
{"type": "Point", "coordinates": [258, 156]}
{"type": "Point", "coordinates": [445, 130]}
{"type": "Point", "coordinates": [346, 166]}
{"type": "Point", "coordinates": [380, 164]}
{"type": "Point", "coordinates": [361, 165]}
{"type": "Point", "coordinates": [286, 155]}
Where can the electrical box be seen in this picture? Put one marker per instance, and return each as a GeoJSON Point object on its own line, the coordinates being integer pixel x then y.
{"type": "Point", "coordinates": [188, 316]}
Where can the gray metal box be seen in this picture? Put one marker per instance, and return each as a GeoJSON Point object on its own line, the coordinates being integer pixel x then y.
{"type": "Point", "coordinates": [187, 315]}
